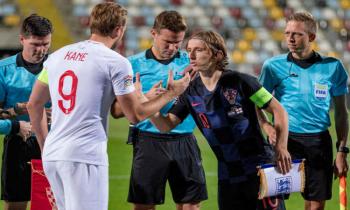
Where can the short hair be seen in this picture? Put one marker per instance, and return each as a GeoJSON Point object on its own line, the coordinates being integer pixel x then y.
{"type": "Point", "coordinates": [106, 16]}
{"type": "Point", "coordinates": [35, 25]}
{"type": "Point", "coordinates": [215, 42]}
{"type": "Point", "coordinates": [171, 20]}
{"type": "Point", "coordinates": [306, 18]}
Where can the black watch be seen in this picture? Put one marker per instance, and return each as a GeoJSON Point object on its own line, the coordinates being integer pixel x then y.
{"type": "Point", "coordinates": [343, 150]}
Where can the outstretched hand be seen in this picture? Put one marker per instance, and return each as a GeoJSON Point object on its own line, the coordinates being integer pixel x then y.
{"type": "Point", "coordinates": [191, 71]}
{"type": "Point", "coordinates": [155, 91]}
{"type": "Point", "coordinates": [177, 87]}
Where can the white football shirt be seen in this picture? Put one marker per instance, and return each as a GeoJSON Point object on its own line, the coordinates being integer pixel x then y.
{"type": "Point", "coordinates": [83, 79]}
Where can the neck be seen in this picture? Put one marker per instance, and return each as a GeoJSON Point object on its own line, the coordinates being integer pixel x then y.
{"type": "Point", "coordinates": [156, 53]}
{"type": "Point", "coordinates": [210, 79]}
{"type": "Point", "coordinates": [106, 40]}
{"type": "Point", "coordinates": [303, 55]}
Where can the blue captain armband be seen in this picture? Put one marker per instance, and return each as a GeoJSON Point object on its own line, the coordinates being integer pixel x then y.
{"type": "Point", "coordinates": [261, 97]}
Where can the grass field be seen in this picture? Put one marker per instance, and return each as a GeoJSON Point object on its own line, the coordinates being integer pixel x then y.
{"type": "Point", "coordinates": [120, 156]}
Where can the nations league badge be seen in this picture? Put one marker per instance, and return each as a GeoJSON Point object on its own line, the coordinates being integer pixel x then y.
{"type": "Point", "coordinates": [230, 95]}
{"type": "Point", "coordinates": [127, 81]}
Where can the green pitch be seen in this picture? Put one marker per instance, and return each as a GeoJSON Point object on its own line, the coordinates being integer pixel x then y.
{"type": "Point", "coordinates": [120, 155]}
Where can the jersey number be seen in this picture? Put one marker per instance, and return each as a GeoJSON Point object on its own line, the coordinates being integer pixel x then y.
{"type": "Point", "coordinates": [70, 97]}
{"type": "Point", "coordinates": [204, 120]}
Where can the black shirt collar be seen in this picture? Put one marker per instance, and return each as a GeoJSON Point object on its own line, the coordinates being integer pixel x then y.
{"type": "Point", "coordinates": [305, 63]}
{"type": "Point", "coordinates": [34, 68]}
{"type": "Point", "coordinates": [150, 55]}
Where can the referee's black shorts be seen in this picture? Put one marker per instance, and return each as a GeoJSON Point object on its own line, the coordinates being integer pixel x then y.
{"type": "Point", "coordinates": [316, 148]}
{"type": "Point", "coordinates": [166, 157]}
{"type": "Point", "coordinates": [15, 170]}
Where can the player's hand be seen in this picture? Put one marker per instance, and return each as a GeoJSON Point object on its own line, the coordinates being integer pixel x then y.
{"type": "Point", "coordinates": [25, 130]}
{"type": "Point", "coordinates": [191, 71]}
{"type": "Point", "coordinates": [5, 114]}
{"type": "Point", "coordinates": [177, 87]}
{"type": "Point", "coordinates": [341, 166]}
{"type": "Point", "coordinates": [270, 132]}
{"type": "Point", "coordinates": [156, 90]}
{"type": "Point", "coordinates": [21, 108]}
{"type": "Point", "coordinates": [283, 160]}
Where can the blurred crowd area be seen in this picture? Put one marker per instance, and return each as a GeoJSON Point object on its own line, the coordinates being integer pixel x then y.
{"type": "Point", "coordinates": [253, 28]}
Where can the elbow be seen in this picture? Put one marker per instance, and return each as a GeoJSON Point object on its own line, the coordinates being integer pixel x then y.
{"type": "Point", "coordinates": [117, 115]}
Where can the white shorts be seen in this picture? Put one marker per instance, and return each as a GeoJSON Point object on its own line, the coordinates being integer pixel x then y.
{"type": "Point", "coordinates": [78, 186]}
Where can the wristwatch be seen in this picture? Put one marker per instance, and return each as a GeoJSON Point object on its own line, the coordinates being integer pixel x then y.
{"type": "Point", "coordinates": [343, 150]}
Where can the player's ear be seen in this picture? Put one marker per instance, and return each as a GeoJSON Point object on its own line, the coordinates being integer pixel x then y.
{"type": "Point", "coordinates": [312, 37]}
{"type": "Point", "coordinates": [219, 55]}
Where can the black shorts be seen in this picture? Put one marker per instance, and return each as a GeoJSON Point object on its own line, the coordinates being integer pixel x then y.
{"type": "Point", "coordinates": [15, 170]}
{"type": "Point", "coordinates": [317, 150]}
{"type": "Point", "coordinates": [161, 157]}
{"type": "Point", "coordinates": [244, 196]}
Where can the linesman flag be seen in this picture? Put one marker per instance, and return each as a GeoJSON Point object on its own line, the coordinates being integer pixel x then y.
{"type": "Point", "coordinates": [342, 193]}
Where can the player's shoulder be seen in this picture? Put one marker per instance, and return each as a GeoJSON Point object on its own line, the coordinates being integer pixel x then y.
{"type": "Point", "coordinates": [230, 76]}
{"type": "Point", "coordinates": [8, 61]}
{"type": "Point", "coordinates": [329, 59]}
{"type": "Point", "coordinates": [277, 58]}
{"type": "Point", "coordinates": [141, 56]}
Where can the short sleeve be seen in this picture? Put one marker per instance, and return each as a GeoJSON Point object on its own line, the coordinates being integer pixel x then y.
{"type": "Point", "coordinates": [2, 86]}
{"type": "Point", "coordinates": [122, 77]}
{"type": "Point", "coordinates": [340, 81]}
{"type": "Point", "coordinates": [266, 77]}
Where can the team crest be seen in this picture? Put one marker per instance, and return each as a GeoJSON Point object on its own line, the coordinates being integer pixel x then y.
{"type": "Point", "coordinates": [230, 95]}
{"type": "Point", "coordinates": [283, 185]}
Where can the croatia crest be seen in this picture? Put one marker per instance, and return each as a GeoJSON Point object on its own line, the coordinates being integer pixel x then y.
{"type": "Point", "coordinates": [230, 95]}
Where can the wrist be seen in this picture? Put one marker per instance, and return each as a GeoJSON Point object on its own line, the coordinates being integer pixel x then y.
{"type": "Point", "coordinates": [343, 149]}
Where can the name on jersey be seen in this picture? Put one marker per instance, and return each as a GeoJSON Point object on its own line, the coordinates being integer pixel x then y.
{"type": "Point", "coordinates": [321, 91]}
{"type": "Point", "coordinates": [75, 56]}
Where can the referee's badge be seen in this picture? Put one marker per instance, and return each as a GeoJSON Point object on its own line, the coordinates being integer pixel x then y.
{"type": "Point", "coordinates": [230, 95]}
{"type": "Point", "coordinates": [321, 91]}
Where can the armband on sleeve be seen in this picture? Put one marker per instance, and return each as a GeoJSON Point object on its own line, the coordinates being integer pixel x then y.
{"type": "Point", "coordinates": [261, 97]}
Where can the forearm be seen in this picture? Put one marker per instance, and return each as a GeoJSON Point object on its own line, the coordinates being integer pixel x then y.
{"type": "Point", "coordinates": [342, 128]}
{"type": "Point", "coordinates": [149, 108]}
{"type": "Point", "coordinates": [263, 120]}
{"type": "Point", "coordinates": [280, 117]}
{"type": "Point", "coordinates": [162, 123]}
{"type": "Point", "coordinates": [281, 126]}
{"type": "Point", "coordinates": [39, 123]}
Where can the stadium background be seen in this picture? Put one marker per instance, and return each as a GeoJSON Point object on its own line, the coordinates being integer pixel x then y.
{"type": "Point", "coordinates": [253, 30]}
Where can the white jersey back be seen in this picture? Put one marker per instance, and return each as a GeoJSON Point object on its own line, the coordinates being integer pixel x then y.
{"type": "Point", "coordinates": [83, 79]}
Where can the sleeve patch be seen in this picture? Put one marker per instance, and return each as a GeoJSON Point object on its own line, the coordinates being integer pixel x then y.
{"type": "Point", "coordinates": [261, 97]}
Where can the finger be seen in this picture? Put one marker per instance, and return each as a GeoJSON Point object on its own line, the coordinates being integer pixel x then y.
{"type": "Point", "coordinates": [187, 69]}
{"type": "Point", "coordinates": [138, 77]}
{"type": "Point", "coordinates": [187, 77]}
{"type": "Point", "coordinates": [170, 78]}
{"type": "Point", "coordinates": [158, 84]}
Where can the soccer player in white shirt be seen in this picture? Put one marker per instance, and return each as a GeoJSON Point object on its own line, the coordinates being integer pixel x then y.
{"type": "Point", "coordinates": [82, 80]}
